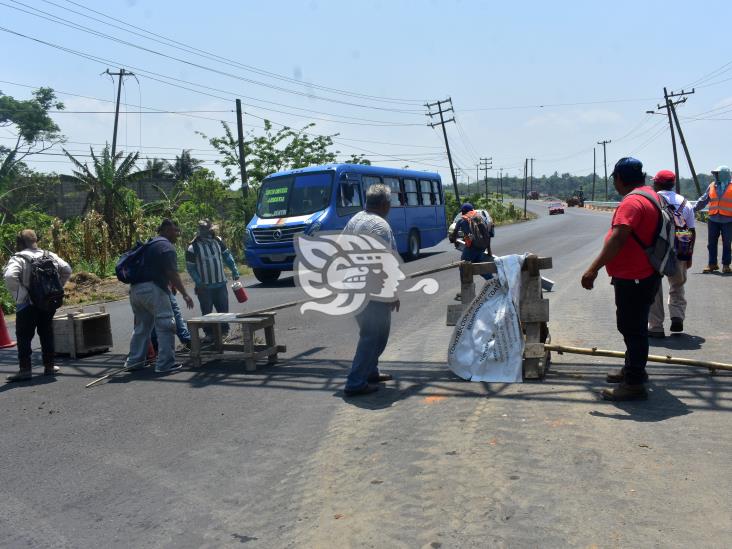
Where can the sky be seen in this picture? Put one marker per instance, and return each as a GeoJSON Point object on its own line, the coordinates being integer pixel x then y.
{"type": "Point", "coordinates": [542, 80]}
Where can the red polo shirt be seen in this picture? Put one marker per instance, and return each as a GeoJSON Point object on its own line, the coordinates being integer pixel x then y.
{"type": "Point", "coordinates": [638, 213]}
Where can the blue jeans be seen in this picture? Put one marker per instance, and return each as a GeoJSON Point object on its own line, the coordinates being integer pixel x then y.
{"type": "Point", "coordinates": [213, 297]}
{"type": "Point", "coordinates": [374, 324]}
{"type": "Point", "coordinates": [152, 309]}
{"type": "Point", "coordinates": [181, 327]}
{"type": "Point", "coordinates": [715, 230]}
{"type": "Point", "coordinates": [476, 255]}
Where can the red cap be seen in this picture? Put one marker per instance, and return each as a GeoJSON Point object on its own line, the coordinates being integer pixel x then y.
{"type": "Point", "coordinates": [665, 176]}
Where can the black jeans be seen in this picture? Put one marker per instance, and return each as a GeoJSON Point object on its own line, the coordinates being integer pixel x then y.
{"type": "Point", "coordinates": [27, 322]}
{"type": "Point", "coordinates": [633, 299]}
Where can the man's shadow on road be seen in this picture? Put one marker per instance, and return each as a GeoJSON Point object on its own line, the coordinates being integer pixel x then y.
{"type": "Point", "coordinates": [385, 397]}
{"type": "Point", "coordinates": [660, 406]}
{"type": "Point", "coordinates": [679, 342]}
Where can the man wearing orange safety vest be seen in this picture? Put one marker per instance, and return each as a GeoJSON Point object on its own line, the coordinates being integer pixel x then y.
{"type": "Point", "coordinates": [719, 198]}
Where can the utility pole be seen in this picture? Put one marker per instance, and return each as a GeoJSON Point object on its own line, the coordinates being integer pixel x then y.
{"type": "Point", "coordinates": [486, 164]}
{"type": "Point", "coordinates": [673, 118]}
{"type": "Point", "coordinates": [442, 123]}
{"type": "Point", "coordinates": [121, 74]}
{"type": "Point", "coordinates": [604, 157]}
{"type": "Point", "coordinates": [240, 143]}
{"type": "Point", "coordinates": [532, 173]}
{"type": "Point", "coordinates": [526, 171]}
{"type": "Point", "coordinates": [594, 170]}
{"type": "Point", "coordinates": [501, 184]}
{"type": "Point", "coordinates": [477, 176]}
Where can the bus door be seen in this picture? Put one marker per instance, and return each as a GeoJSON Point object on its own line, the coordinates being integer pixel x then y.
{"type": "Point", "coordinates": [348, 200]}
{"type": "Point", "coordinates": [396, 214]}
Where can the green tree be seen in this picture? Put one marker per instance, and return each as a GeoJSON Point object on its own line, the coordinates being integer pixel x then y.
{"type": "Point", "coordinates": [108, 193]}
{"type": "Point", "coordinates": [358, 159]}
{"type": "Point", "coordinates": [271, 152]}
{"type": "Point", "coordinates": [32, 127]}
{"type": "Point", "coordinates": [158, 168]}
{"type": "Point", "coordinates": [184, 166]}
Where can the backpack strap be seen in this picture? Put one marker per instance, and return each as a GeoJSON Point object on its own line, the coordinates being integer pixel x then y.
{"type": "Point", "coordinates": [657, 204]}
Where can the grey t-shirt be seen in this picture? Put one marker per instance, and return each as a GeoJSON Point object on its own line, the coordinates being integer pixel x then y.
{"type": "Point", "coordinates": [371, 224]}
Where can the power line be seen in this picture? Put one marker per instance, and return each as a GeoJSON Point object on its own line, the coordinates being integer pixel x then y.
{"type": "Point", "coordinates": [65, 22]}
{"type": "Point", "coordinates": [190, 49]}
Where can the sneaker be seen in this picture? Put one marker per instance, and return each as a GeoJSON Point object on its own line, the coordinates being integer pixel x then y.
{"type": "Point", "coordinates": [625, 392]}
{"type": "Point", "coordinates": [184, 347]}
{"type": "Point", "coordinates": [619, 375]}
{"type": "Point", "coordinates": [173, 368]}
{"type": "Point", "coordinates": [379, 378]}
{"type": "Point", "coordinates": [726, 269]}
{"type": "Point", "coordinates": [459, 297]}
{"type": "Point", "coordinates": [657, 334]}
{"type": "Point", "coordinates": [365, 390]}
{"type": "Point", "coordinates": [710, 268]}
{"type": "Point", "coordinates": [51, 370]}
{"type": "Point", "coordinates": [677, 324]}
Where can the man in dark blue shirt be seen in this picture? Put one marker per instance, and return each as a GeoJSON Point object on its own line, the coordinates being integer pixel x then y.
{"type": "Point", "coordinates": [151, 302]}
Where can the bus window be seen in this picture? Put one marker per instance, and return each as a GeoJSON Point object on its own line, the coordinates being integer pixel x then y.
{"type": "Point", "coordinates": [425, 188]}
{"type": "Point", "coordinates": [410, 189]}
{"type": "Point", "coordinates": [396, 192]}
{"type": "Point", "coordinates": [369, 180]}
{"type": "Point", "coordinates": [349, 197]}
{"type": "Point", "coordinates": [436, 194]}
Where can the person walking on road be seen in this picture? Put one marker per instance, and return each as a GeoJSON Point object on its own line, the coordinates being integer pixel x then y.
{"type": "Point", "coordinates": [719, 197]}
{"type": "Point", "coordinates": [205, 259]}
{"type": "Point", "coordinates": [151, 301]}
{"type": "Point", "coordinates": [476, 235]}
{"type": "Point", "coordinates": [32, 317]}
{"type": "Point", "coordinates": [683, 214]}
{"type": "Point", "coordinates": [374, 321]}
{"type": "Point", "coordinates": [633, 277]}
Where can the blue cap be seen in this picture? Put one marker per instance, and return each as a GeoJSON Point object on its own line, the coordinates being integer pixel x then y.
{"type": "Point", "coordinates": [628, 168]}
{"type": "Point", "coordinates": [467, 207]}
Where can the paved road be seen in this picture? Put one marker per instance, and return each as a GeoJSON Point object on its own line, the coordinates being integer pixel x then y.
{"type": "Point", "coordinates": [278, 458]}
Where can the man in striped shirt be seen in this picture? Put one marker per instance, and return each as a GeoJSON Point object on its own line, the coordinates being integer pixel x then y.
{"type": "Point", "coordinates": [205, 259]}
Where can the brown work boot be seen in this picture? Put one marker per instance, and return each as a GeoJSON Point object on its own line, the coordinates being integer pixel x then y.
{"type": "Point", "coordinates": [24, 373]}
{"type": "Point", "coordinates": [618, 375]}
{"type": "Point", "coordinates": [625, 391]}
{"type": "Point", "coordinates": [710, 268]}
{"type": "Point", "coordinates": [49, 368]}
{"type": "Point", "coordinates": [726, 269]}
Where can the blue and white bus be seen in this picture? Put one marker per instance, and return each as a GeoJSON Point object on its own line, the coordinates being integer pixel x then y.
{"type": "Point", "coordinates": [324, 198]}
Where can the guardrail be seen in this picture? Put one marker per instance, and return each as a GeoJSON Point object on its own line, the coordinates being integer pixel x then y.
{"type": "Point", "coordinates": [611, 204]}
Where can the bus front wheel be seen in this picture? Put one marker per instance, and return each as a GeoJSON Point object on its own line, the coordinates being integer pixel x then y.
{"type": "Point", "coordinates": [266, 275]}
{"type": "Point", "coordinates": [413, 245]}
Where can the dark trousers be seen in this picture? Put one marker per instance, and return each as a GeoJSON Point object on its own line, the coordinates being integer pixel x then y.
{"type": "Point", "coordinates": [633, 299]}
{"type": "Point", "coordinates": [29, 320]}
{"type": "Point", "coordinates": [716, 230]}
{"type": "Point", "coordinates": [213, 298]}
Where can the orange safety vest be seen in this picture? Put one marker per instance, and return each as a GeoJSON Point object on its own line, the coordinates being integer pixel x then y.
{"type": "Point", "coordinates": [720, 206]}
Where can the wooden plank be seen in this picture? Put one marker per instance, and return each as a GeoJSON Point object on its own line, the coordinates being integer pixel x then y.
{"type": "Point", "coordinates": [534, 350]}
{"type": "Point", "coordinates": [532, 368]}
{"type": "Point", "coordinates": [537, 311]}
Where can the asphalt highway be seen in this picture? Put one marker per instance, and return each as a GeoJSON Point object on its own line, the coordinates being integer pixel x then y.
{"type": "Point", "coordinates": [217, 457]}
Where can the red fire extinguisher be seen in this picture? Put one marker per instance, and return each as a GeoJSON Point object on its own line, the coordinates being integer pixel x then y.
{"type": "Point", "coordinates": [239, 292]}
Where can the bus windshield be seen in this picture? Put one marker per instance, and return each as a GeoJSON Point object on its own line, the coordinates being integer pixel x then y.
{"type": "Point", "coordinates": [290, 196]}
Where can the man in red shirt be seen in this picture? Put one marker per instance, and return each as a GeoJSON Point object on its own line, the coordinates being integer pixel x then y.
{"type": "Point", "coordinates": [635, 280]}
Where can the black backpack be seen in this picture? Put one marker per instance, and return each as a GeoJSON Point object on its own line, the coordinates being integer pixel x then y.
{"type": "Point", "coordinates": [479, 233]}
{"type": "Point", "coordinates": [44, 282]}
{"type": "Point", "coordinates": [130, 267]}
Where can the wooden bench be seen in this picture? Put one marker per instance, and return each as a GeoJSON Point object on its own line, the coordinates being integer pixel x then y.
{"type": "Point", "coordinates": [249, 349]}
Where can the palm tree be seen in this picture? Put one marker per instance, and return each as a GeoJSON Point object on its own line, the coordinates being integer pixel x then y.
{"type": "Point", "coordinates": [159, 168]}
{"type": "Point", "coordinates": [184, 166]}
{"type": "Point", "coordinates": [107, 186]}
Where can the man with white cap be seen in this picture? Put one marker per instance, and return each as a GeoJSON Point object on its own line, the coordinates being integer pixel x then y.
{"type": "Point", "coordinates": [683, 214]}
{"type": "Point", "coordinates": [719, 198]}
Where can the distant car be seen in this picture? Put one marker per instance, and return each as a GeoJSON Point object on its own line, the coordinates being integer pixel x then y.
{"type": "Point", "coordinates": [488, 221]}
{"type": "Point", "coordinates": [556, 208]}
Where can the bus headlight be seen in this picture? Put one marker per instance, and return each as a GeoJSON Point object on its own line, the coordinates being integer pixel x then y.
{"type": "Point", "coordinates": [314, 228]}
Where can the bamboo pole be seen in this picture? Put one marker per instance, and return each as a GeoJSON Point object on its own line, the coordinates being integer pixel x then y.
{"type": "Point", "coordinates": [668, 359]}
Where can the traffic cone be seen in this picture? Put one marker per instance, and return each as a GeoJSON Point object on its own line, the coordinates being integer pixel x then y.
{"type": "Point", "coordinates": [5, 340]}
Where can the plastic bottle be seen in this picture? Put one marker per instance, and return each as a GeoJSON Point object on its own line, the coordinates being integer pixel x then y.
{"type": "Point", "coordinates": [239, 292]}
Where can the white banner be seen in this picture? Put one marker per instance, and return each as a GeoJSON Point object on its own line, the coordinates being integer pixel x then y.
{"type": "Point", "coordinates": [487, 344]}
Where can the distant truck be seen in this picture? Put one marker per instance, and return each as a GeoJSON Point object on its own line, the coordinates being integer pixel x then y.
{"type": "Point", "coordinates": [534, 195]}
{"type": "Point", "coordinates": [577, 199]}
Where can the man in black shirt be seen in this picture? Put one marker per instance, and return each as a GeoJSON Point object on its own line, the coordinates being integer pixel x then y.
{"type": "Point", "coordinates": [150, 301]}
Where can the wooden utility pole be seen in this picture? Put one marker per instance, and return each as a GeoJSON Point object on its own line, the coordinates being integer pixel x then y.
{"type": "Point", "coordinates": [604, 159]}
{"type": "Point", "coordinates": [594, 170]}
{"type": "Point", "coordinates": [671, 110]}
{"type": "Point", "coordinates": [442, 122]}
{"type": "Point", "coordinates": [486, 164]}
{"type": "Point", "coordinates": [526, 171]}
{"type": "Point", "coordinates": [240, 143]}
{"type": "Point", "coordinates": [532, 174]}
{"type": "Point", "coordinates": [673, 138]}
{"type": "Point", "coordinates": [500, 179]}
{"type": "Point", "coordinates": [121, 74]}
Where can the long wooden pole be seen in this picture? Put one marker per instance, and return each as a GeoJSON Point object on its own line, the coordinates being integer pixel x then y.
{"type": "Point", "coordinates": [594, 351]}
